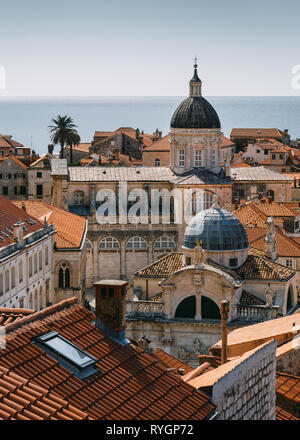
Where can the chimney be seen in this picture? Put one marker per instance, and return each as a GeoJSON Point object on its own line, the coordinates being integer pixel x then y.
{"type": "Point", "coordinates": [236, 204]}
{"type": "Point", "coordinates": [270, 240]}
{"type": "Point", "coordinates": [110, 299]}
{"type": "Point", "coordinates": [34, 156]}
{"type": "Point", "coordinates": [137, 133]}
{"type": "Point", "coordinates": [19, 232]}
{"type": "Point", "coordinates": [23, 206]}
{"type": "Point", "coordinates": [130, 156]}
{"type": "Point", "coordinates": [224, 316]}
{"type": "Point", "coordinates": [50, 148]}
{"type": "Point", "coordinates": [99, 160]}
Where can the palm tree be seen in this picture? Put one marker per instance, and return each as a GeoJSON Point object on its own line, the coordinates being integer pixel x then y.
{"type": "Point", "coordinates": [64, 133]}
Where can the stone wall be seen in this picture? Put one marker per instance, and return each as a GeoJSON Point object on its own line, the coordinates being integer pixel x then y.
{"type": "Point", "coordinates": [248, 391]}
{"type": "Point", "coordinates": [290, 362]}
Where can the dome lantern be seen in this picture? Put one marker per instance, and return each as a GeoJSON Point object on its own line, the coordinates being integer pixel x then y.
{"type": "Point", "coordinates": [195, 83]}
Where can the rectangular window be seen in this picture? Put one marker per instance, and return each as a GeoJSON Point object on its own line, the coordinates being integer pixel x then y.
{"type": "Point", "coordinates": [103, 292]}
{"type": "Point", "coordinates": [23, 190]}
{"type": "Point", "coordinates": [291, 264]}
{"type": "Point", "coordinates": [266, 152]}
{"type": "Point", "coordinates": [5, 190]}
{"type": "Point", "coordinates": [213, 157]}
{"type": "Point", "coordinates": [40, 261]}
{"type": "Point", "coordinates": [20, 271]}
{"type": "Point", "coordinates": [35, 263]}
{"type": "Point", "coordinates": [280, 156]}
{"type": "Point", "coordinates": [233, 262]}
{"type": "Point", "coordinates": [46, 255]}
{"type": "Point", "coordinates": [13, 277]}
{"type": "Point", "coordinates": [1, 284]}
{"type": "Point", "coordinates": [16, 190]}
{"type": "Point", "coordinates": [30, 266]}
{"type": "Point", "coordinates": [6, 281]}
{"type": "Point", "coordinates": [79, 362]}
{"type": "Point", "coordinates": [181, 158]}
{"type": "Point", "coordinates": [39, 174]}
{"type": "Point", "coordinates": [273, 156]}
{"type": "Point", "coordinates": [198, 158]}
{"type": "Point", "coordinates": [39, 190]}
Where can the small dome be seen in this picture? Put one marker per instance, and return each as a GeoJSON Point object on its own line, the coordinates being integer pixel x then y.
{"type": "Point", "coordinates": [195, 112]}
{"type": "Point", "coordinates": [217, 230]}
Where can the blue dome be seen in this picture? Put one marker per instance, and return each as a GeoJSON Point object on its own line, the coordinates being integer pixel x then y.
{"type": "Point", "coordinates": [217, 230]}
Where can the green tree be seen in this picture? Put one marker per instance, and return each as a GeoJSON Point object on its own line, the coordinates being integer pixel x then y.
{"type": "Point", "coordinates": [63, 132]}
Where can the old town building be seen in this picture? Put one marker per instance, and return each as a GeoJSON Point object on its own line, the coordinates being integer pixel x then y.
{"type": "Point", "coordinates": [13, 178]}
{"type": "Point", "coordinates": [39, 178]}
{"type": "Point", "coordinates": [118, 249]}
{"type": "Point", "coordinates": [26, 246]}
{"type": "Point", "coordinates": [68, 254]}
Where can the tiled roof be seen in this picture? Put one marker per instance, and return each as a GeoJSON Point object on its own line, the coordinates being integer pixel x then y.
{"type": "Point", "coordinates": [10, 215]}
{"type": "Point", "coordinates": [162, 144]}
{"type": "Point", "coordinates": [179, 368]}
{"type": "Point", "coordinates": [117, 174]}
{"type": "Point", "coordinates": [22, 399]}
{"type": "Point", "coordinates": [130, 384]}
{"type": "Point", "coordinates": [241, 165]}
{"type": "Point", "coordinates": [70, 228]}
{"type": "Point", "coordinates": [256, 133]}
{"type": "Point", "coordinates": [257, 266]}
{"type": "Point", "coordinates": [285, 246]}
{"type": "Point", "coordinates": [211, 377]}
{"type": "Point", "coordinates": [225, 142]}
{"type": "Point", "coordinates": [248, 299]}
{"type": "Point", "coordinates": [44, 156]}
{"type": "Point", "coordinates": [83, 146]}
{"type": "Point", "coordinates": [284, 415]}
{"type": "Point", "coordinates": [288, 385]}
{"type": "Point", "coordinates": [200, 176]}
{"type": "Point", "coordinates": [16, 160]}
{"type": "Point", "coordinates": [257, 174]}
{"type": "Point", "coordinates": [8, 315]}
{"type": "Point", "coordinates": [163, 267]}
{"type": "Point", "coordinates": [250, 216]}
{"type": "Point", "coordinates": [248, 337]}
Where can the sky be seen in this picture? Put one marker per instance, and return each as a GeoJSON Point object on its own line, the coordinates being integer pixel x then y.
{"type": "Point", "coordinates": [146, 48]}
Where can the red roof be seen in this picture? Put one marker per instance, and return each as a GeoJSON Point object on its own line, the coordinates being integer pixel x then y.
{"type": "Point", "coordinates": [10, 215]}
{"type": "Point", "coordinates": [130, 384]}
{"type": "Point", "coordinates": [8, 315]}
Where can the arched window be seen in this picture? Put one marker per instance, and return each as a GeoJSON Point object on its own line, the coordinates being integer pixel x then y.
{"type": "Point", "coordinates": [187, 308]}
{"type": "Point", "coordinates": [30, 301]}
{"type": "Point", "coordinates": [13, 277]}
{"type": "Point", "coordinates": [35, 300]}
{"type": "Point", "coordinates": [108, 243]}
{"type": "Point", "coordinates": [157, 163]}
{"type": "Point", "coordinates": [199, 201]}
{"type": "Point", "coordinates": [1, 284]}
{"type": "Point", "coordinates": [270, 194]}
{"type": "Point", "coordinates": [136, 243]}
{"type": "Point", "coordinates": [164, 243]}
{"type": "Point", "coordinates": [88, 245]}
{"type": "Point", "coordinates": [78, 198]}
{"type": "Point", "coordinates": [40, 260]}
{"type": "Point", "coordinates": [64, 276]}
{"type": "Point", "coordinates": [209, 309]}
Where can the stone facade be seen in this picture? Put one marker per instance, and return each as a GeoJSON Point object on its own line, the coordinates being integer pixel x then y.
{"type": "Point", "coordinates": [13, 178]}
{"type": "Point", "coordinates": [40, 182]}
{"type": "Point", "coordinates": [247, 392]}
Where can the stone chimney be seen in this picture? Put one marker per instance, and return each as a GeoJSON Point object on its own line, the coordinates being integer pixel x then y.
{"type": "Point", "coordinates": [227, 164]}
{"type": "Point", "coordinates": [236, 204]}
{"type": "Point", "coordinates": [270, 240]}
{"type": "Point", "coordinates": [19, 232]}
{"type": "Point", "coordinates": [130, 156]}
{"type": "Point", "coordinates": [137, 133]}
{"type": "Point", "coordinates": [110, 299]}
{"type": "Point", "coordinates": [50, 148]}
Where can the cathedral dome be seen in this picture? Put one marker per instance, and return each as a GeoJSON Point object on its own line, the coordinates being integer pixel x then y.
{"type": "Point", "coordinates": [216, 230]}
{"type": "Point", "coordinates": [195, 111]}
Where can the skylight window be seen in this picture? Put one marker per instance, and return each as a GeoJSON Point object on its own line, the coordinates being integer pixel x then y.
{"type": "Point", "coordinates": [68, 354]}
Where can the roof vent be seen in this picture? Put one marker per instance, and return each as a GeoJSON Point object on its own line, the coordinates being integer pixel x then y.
{"type": "Point", "coordinates": [68, 354]}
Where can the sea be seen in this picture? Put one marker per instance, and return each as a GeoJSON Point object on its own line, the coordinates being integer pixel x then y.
{"type": "Point", "coordinates": [28, 118]}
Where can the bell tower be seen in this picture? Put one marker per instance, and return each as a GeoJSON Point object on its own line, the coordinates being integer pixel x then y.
{"type": "Point", "coordinates": [195, 83]}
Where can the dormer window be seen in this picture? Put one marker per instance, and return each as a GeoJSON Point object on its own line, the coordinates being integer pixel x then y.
{"type": "Point", "coordinates": [68, 354]}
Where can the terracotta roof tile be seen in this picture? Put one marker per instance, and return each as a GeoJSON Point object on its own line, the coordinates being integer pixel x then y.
{"type": "Point", "coordinates": [70, 228]}
{"type": "Point", "coordinates": [284, 415]}
{"type": "Point", "coordinates": [288, 385]}
{"type": "Point", "coordinates": [162, 144]}
{"type": "Point", "coordinates": [178, 367]}
{"type": "Point", "coordinates": [10, 215]}
{"type": "Point", "coordinates": [8, 315]}
{"type": "Point", "coordinates": [256, 133]}
{"type": "Point", "coordinates": [130, 384]}
{"type": "Point", "coordinates": [162, 267]}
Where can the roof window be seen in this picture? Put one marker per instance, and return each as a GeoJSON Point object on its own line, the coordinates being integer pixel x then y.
{"type": "Point", "coordinates": [68, 354]}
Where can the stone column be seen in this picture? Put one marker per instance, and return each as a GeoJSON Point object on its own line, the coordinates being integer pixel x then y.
{"type": "Point", "coordinates": [166, 299]}
{"type": "Point", "coordinates": [224, 316]}
{"type": "Point", "coordinates": [197, 289]}
{"type": "Point", "coordinates": [123, 260]}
